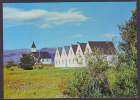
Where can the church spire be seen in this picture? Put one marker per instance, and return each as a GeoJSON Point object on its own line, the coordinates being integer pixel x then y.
{"type": "Point", "coordinates": [33, 45]}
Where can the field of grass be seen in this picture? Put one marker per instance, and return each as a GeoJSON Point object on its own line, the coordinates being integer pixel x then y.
{"type": "Point", "coordinates": [38, 83]}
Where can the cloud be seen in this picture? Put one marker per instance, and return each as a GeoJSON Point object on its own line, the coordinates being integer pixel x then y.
{"type": "Point", "coordinates": [110, 35]}
{"type": "Point", "coordinates": [76, 36]}
{"type": "Point", "coordinates": [42, 18]}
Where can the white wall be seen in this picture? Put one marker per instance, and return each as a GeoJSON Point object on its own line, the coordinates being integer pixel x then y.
{"type": "Point", "coordinates": [61, 60]}
{"type": "Point", "coordinates": [64, 60]}
{"type": "Point", "coordinates": [71, 58]}
{"type": "Point", "coordinates": [87, 49]}
{"type": "Point", "coordinates": [112, 60]}
{"type": "Point", "coordinates": [33, 49]}
{"type": "Point", "coordinates": [80, 56]}
{"type": "Point", "coordinates": [46, 61]}
{"type": "Point", "coordinates": [57, 59]}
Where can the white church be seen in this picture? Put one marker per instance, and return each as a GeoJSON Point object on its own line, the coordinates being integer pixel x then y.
{"type": "Point", "coordinates": [45, 57]}
{"type": "Point", "coordinates": [66, 56]}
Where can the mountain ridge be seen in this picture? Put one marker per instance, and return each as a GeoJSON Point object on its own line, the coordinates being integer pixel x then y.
{"type": "Point", "coordinates": [15, 55]}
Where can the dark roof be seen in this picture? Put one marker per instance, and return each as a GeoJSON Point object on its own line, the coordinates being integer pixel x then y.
{"type": "Point", "coordinates": [67, 49]}
{"type": "Point", "coordinates": [33, 45]}
{"type": "Point", "coordinates": [83, 46]}
{"type": "Point", "coordinates": [74, 47]}
{"type": "Point", "coordinates": [105, 45]}
{"type": "Point", "coordinates": [42, 54]}
{"type": "Point", "coordinates": [60, 50]}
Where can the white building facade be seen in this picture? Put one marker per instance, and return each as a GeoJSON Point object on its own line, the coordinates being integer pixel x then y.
{"type": "Point", "coordinates": [75, 55]}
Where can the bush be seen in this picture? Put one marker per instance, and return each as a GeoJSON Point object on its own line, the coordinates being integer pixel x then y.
{"type": "Point", "coordinates": [123, 82]}
{"type": "Point", "coordinates": [9, 64]}
{"type": "Point", "coordinates": [27, 61]}
{"type": "Point", "coordinates": [101, 80]}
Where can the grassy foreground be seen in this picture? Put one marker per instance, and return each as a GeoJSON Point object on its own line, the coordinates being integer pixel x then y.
{"type": "Point", "coordinates": [38, 83]}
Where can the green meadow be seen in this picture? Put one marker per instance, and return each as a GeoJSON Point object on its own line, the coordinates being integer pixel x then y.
{"type": "Point", "coordinates": [37, 83]}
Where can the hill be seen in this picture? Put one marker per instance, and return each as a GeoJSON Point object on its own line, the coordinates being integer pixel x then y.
{"type": "Point", "coordinates": [16, 54]}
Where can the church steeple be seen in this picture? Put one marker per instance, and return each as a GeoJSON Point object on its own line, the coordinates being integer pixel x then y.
{"type": "Point", "coordinates": [33, 47]}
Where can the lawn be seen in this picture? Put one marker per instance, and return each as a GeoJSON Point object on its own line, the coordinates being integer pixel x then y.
{"type": "Point", "coordinates": [38, 83]}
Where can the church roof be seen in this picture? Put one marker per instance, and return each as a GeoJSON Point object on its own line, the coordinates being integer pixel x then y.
{"type": "Point", "coordinates": [67, 49]}
{"type": "Point", "coordinates": [74, 47]}
{"type": "Point", "coordinates": [60, 50]}
{"type": "Point", "coordinates": [105, 45]}
{"type": "Point", "coordinates": [33, 45]}
{"type": "Point", "coordinates": [42, 54]}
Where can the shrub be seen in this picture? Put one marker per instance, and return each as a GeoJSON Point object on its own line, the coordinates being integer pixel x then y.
{"type": "Point", "coordinates": [27, 61]}
{"type": "Point", "coordinates": [101, 80]}
{"type": "Point", "coordinates": [9, 64]}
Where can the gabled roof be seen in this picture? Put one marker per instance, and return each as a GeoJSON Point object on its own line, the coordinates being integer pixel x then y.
{"type": "Point", "coordinates": [106, 45]}
{"type": "Point", "coordinates": [42, 54]}
{"type": "Point", "coordinates": [33, 45]}
{"type": "Point", "coordinates": [83, 46]}
{"type": "Point", "coordinates": [67, 49]}
{"type": "Point", "coordinates": [60, 50]}
{"type": "Point", "coordinates": [74, 47]}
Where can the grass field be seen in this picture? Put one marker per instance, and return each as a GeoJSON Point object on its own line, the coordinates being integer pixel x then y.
{"type": "Point", "coordinates": [38, 83]}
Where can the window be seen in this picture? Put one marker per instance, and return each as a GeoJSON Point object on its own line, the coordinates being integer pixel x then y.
{"type": "Point", "coordinates": [71, 52]}
{"type": "Point", "coordinates": [69, 61]}
{"type": "Point", "coordinates": [62, 61]}
{"type": "Point", "coordinates": [79, 52]}
{"type": "Point", "coordinates": [64, 53]}
{"type": "Point", "coordinates": [73, 61]}
{"type": "Point", "coordinates": [42, 60]}
{"type": "Point", "coordinates": [59, 62]}
{"type": "Point", "coordinates": [56, 62]}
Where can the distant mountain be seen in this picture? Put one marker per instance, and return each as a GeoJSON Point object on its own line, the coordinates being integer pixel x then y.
{"type": "Point", "coordinates": [51, 52]}
{"type": "Point", "coordinates": [15, 55]}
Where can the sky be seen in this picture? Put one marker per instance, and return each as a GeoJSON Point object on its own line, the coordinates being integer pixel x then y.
{"type": "Point", "coordinates": [62, 24]}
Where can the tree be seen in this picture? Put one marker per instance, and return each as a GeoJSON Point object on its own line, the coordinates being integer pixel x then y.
{"type": "Point", "coordinates": [9, 64]}
{"type": "Point", "coordinates": [27, 61]}
{"type": "Point", "coordinates": [128, 44]}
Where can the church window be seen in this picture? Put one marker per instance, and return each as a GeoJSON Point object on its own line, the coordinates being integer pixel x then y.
{"type": "Point", "coordinates": [69, 61]}
{"type": "Point", "coordinates": [59, 62]}
{"type": "Point", "coordinates": [73, 61]}
{"type": "Point", "coordinates": [79, 52]}
{"type": "Point", "coordinates": [62, 61]}
{"type": "Point", "coordinates": [42, 60]}
{"type": "Point", "coordinates": [56, 62]}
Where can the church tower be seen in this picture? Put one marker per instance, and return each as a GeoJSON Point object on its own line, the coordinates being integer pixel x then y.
{"type": "Point", "coordinates": [33, 47]}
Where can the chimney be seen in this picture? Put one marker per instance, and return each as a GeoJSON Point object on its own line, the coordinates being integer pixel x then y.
{"type": "Point", "coordinates": [78, 42]}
